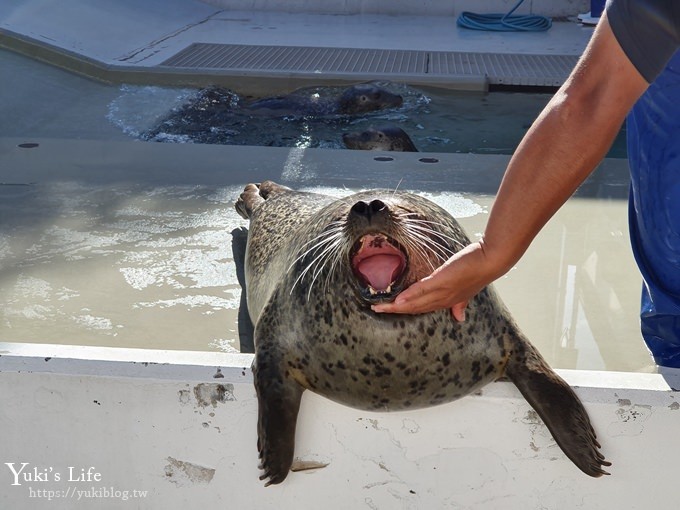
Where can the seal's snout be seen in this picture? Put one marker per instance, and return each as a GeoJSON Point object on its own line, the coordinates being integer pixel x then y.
{"type": "Point", "coordinates": [368, 211]}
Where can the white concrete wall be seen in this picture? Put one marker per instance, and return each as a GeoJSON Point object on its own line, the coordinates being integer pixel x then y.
{"type": "Point", "coordinates": [408, 7]}
{"type": "Point", "coordinates": [182, 431]}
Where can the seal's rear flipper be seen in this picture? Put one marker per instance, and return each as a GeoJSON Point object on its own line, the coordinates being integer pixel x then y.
{"type": "Point", "coordinates": [560, 408]}
{"type": "Point", "coordinates": [278, 398]}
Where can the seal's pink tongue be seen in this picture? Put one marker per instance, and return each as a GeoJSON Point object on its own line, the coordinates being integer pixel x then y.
{"type": "Point", "coordinates": [380, 270]}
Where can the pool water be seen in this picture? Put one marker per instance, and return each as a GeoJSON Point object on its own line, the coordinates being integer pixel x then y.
{"type": "Point", "coordinates": [137, 245]}
{"type": "Point", "coordinates": [437, 120]}
{"type": "Point", "coordinates": [109, 241]}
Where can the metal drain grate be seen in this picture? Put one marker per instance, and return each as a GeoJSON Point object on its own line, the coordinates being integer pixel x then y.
{"type": "Point", "coordinates": [505, 69]}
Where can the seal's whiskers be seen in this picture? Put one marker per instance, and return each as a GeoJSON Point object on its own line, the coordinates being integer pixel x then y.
{"type": "Point", "coordinates": [397, 188]}
{"type": "Point", "coordinates": [418, 248]}
{"type": "Point", "coordinates": [423, 240]}
{"type": "Point", "coordinates": [428, 224]}
{"type": "Point", "coordinates": [330, 253]}
{"type": "Point", "coordinates": [324, 248]}
{"type": "Point", "coordinates": [432, 240]}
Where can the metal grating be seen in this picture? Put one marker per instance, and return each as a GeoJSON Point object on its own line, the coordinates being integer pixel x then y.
{"type": "Point", "coordinates": [499, 69]}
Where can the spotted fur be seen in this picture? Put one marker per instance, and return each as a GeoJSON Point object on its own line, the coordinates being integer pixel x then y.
{"type": "Point", "coordinates": [315, 330]}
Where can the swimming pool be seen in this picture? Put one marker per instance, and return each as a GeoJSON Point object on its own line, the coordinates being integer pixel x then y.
{"type": "Point", "coordinates": [437, 120]}
{"type": "Point", "coordinates": [106, 240]}
{"type": "Point", "coordinates": [136, 244]}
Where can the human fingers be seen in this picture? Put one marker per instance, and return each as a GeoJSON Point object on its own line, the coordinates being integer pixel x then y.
{"type": "Point", "coordinates": [424, 296]}
{"type": "Point", "coordinates": [410, 301]}
{"type": "Point", "coordinates": [458, 311]}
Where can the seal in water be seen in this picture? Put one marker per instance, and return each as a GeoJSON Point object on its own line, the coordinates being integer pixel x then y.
{"type": "Point", "coordinates": [315, 264]}
{"type": "Point", "coordinates": [360, 98]}
{"type": "Point", "coordinates": [384, 138]}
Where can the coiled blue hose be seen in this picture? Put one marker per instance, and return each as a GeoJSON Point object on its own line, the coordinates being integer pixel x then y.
{"type": "Point", "coordinates": [504, 22]}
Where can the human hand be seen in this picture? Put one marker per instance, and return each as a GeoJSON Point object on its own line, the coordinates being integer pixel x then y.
{"type": "Point", "coordinates": [427, 295]}
{"type": "Point", "coordinates": [449, 286]}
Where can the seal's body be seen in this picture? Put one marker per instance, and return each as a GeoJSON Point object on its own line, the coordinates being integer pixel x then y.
{"type": "Point", "coordinates": [383, 138]}
{"type": "Point", "coordinates": [356, 99]}
{"type": "Point", "coordinates": [315, 264]}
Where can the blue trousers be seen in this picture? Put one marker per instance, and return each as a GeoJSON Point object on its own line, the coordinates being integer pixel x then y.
{"type": "Point", "coordinates": [653, 136]}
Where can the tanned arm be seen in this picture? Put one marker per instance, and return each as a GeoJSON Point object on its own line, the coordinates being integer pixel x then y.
{"type": "Point", "coordinates": [563, 146]}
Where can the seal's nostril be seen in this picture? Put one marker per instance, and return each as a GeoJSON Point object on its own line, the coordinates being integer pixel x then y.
{"type": "Point", "coordinates": [360, 208]}
{"type": "Point", "coordinates": [376, 206]}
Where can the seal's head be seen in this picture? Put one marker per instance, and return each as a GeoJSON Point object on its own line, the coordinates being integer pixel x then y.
{"type": "Point", "coordinates": [376, 244]}
{"type": "Point", "coordinates": [384, 138]}
{"type": "Point", "coordinates": [367, 97]}
{"type": "Point", "coordinates": [379, 261]}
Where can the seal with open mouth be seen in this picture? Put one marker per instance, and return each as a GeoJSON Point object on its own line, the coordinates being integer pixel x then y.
{"type": "Point", "coordinates": [315, 264]}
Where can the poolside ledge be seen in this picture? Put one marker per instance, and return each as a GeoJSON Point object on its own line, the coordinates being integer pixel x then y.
{"type": "Point", "coordinates": [179, 429]}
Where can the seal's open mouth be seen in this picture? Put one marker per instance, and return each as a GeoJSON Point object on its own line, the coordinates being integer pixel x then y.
{"type": "Point", "coordinates": [379, 263]}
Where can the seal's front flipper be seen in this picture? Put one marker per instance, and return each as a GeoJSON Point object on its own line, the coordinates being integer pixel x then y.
{"type": "Point", "coordinates": [559, 407]}
{"type": "Point", "coordinates": [278, 398]}
{"type": "Point", "coordinates": [254, 194]}
{"type": "Point", "coordinates": [269, 189]}
{"type": "Point", "coordinates": [248, 201]}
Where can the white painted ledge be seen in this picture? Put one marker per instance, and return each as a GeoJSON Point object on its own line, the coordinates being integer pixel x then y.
{"type": "Point", "coordinates": [162, 422]}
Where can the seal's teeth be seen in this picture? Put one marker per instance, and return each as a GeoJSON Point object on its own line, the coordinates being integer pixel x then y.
{"type": "Point", "coordinates": [374, 292]}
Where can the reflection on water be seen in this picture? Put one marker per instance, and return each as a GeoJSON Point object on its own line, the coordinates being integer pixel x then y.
{"type": "Point", "coordinates": [121, 266]}
{"type": "Point", "coordinates": [576, 291]}
{"type": "Point", "coordinates": [152, 267]}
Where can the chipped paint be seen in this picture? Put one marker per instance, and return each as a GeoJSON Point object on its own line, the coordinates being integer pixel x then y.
{"type": "Point", "coordinates": [631, 419]}
{"type": "Point", "coordinates": [411, 426]}
{"type": "Point", "coordinates": [307, 465]}
{"type": "Point", "coordinates": [184, 474]}
{"type": "Point", "coordinates": [211, 394]}
{"type": "Point", "coordinates": [184, 397]}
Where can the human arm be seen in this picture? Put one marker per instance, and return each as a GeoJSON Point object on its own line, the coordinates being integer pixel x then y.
{"type": "Point", "coordinates": [563, 146]}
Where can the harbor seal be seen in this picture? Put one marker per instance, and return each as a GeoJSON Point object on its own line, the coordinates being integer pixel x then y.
{"type": "Point", "coordinates": [319, 101]}
{"type": "Point", "coordinates": [383, 138]}
{"type": "Point", "coordinates": [315, 264]}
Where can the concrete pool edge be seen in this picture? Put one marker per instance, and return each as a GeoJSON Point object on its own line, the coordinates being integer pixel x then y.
{"type": "Point", "coordinates": [125, 362]}
{"type": "Point", "coordinates": [237, 80]}
{"type": "Point", "coordinates": [175, 432]}
{"type": "Point", "coordinates": [232, 367]}
{"type": "Point", "coordinates": [554, 8]}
